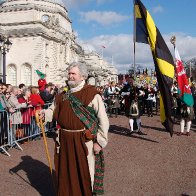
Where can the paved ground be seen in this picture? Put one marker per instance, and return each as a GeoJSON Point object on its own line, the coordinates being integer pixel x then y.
{"type": "Point", "coordinates": [154, 164]}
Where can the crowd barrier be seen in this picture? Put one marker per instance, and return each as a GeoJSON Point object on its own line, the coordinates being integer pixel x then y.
{"type": "Point", "coordinates": [4, 132]}
{"type": "Point", "coordinates": [19, 127]}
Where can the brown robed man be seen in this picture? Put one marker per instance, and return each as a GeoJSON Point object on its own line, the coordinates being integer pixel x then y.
{"type": "Point", "coordinates": [74, 152]}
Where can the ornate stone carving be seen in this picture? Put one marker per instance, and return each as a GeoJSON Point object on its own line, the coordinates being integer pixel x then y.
{"type": "Point", "coordinates": [52, 22]}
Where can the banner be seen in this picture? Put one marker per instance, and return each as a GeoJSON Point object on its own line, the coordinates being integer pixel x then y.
{"type": "Point", "coordinates": [147, 32]}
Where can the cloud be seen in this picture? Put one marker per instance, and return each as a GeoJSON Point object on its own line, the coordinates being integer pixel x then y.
{"type": "Point", "coordinates": [74, 3]}
{"type": "Point", "coordinates": [121, 48]}
{"type": "Point", "coordinates": [186, 45]}
{"type": "Point", "coordinates": [100, 2]}
{"type": "Point", "coordinates": [157, 9]}
{"type": "Point", "coordinates": [77, 3]}
{"type": "Point", "coordinates": [104, 18]}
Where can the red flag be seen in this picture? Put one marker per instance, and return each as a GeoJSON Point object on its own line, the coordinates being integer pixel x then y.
{"type": "Point", "coordinates": [183, 84]}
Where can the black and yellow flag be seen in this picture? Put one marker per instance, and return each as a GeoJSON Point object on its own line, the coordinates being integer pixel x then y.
{"type": "Point", "coordinates": [147, 32]}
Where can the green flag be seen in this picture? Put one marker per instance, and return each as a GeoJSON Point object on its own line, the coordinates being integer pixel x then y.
{"type": "Point", "coordinates": [40, 74]}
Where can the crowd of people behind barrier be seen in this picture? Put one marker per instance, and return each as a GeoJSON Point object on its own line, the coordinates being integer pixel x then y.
{"type": "Point", "coordinates": [19, 104]}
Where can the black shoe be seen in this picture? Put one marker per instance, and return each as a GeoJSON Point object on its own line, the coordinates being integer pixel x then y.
{"type": "Point", "coordinates": [141, 133]}
{"type": "Point", "coordinates": [131, 132]}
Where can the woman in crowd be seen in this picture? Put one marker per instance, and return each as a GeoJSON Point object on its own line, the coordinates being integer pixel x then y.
{"type": "Point", "coordinates": [26, 112]}
{"type": "Point", "coordinates": [15, 117]}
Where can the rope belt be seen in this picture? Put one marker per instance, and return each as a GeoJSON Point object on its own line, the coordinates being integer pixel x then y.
{"type": "Point", "coordinates": [58, 138]}
{"type": "Point", "coordinates": [68, 130]}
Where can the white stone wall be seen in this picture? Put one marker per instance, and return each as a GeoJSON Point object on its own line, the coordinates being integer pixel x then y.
{"type": "Point", "coordinates": [48, 46]}
{"type": "Point", "coordinates": [26, 50]}
{"type": "Point", "coordinates": [15, 17]}
{"type": "Point", "coordinates": [45, 47]}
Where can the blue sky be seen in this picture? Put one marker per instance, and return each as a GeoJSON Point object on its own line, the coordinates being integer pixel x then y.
{"type": "Point", "coordinates": [169, 16]}
{"type": "Point", "coordinates": [110, 23]}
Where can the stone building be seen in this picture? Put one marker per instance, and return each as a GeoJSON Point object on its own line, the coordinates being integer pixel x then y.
{"type": "Point", "coordinates": [43, 39]}
{"type": "Point", "coordinates": [100, 71]}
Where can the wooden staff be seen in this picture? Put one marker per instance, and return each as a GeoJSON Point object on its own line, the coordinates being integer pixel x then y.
{"type": "Point", "coordinates": [40, 124]}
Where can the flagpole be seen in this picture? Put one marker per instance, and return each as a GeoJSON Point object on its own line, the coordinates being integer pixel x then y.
{"type": "Point", "coordinates": [190, 69]}
{"type": "Point", "coordinates": [134, 36]}
{"type": "Point", "coordinates": [173, 41]}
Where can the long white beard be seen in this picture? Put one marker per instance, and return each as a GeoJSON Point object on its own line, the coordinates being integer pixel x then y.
{"type": "Point", "coordinates": [73, 84]}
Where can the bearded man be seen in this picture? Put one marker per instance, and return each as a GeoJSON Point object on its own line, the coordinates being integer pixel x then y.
{"type": "Point", "coordinates": [81, 115]}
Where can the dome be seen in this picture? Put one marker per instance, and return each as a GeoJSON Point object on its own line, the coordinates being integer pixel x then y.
{"type": "Point", "coordinates": [60, 2]}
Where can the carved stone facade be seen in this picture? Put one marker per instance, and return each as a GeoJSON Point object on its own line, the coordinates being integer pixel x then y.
{"type": "Point", "coordinates": [100, 71]}
{"type": "Point", "coordinates": [42, 38]}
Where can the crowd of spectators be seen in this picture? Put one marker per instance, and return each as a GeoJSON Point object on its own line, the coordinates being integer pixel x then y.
{"type": "Point", "coordinates": [18, 105]}
{"type": "Point", "coordinates": [21, 102]}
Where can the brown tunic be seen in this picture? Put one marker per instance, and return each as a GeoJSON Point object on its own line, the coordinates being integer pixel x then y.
{"type": "Point", "coordinates": [71, 165]}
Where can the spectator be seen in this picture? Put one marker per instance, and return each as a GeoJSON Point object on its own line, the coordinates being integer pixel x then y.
{"type": "Point", "coordinates": [47, 94]}
{"type": "Point", "coordinates": [42, 81]}
{"type": "Point", "coordinates": [112, 89]}
{"type": "Point", "coordinates": [9, 88]}
{"type": "Point", "coordinates": [37, 103]}
{"type": "Point", "coordinates": [4, 107]}
{"type": "Point", "coordinates": [4, 88]}
{"type": "Point", "coordinates": [26, 112]}
{"type": "Point", "coordinates": [16, 117]}
{"type": "Point", "coordinates": [149, 95]}
{"type": "Point", "coordinates": [20, 90]}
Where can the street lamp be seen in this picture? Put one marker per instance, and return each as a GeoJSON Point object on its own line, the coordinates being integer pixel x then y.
{"type": "Point", "coordinates": [5, 45]}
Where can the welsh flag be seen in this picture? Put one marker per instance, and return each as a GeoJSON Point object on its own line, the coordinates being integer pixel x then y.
{"type": "Point", "coordinates": [40, 74]}
{"type": "Point", "coordinates": [184, 90]}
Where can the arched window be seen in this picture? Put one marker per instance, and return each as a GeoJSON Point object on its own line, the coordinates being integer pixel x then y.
{"type": "Point", "coordinates": [11, 75]}
{"type": "Point", "coordinates": [26, 74]}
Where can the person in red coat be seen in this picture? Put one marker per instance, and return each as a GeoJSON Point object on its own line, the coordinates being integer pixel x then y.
{"type": "Point", "coordinates": [36, 100]}
{"type": "Point", "coordinates": [42, 81]}
{"type": "Point", "coordinates": [37, 103]}
{"type": "Point", "coordinates": [41, 84]}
